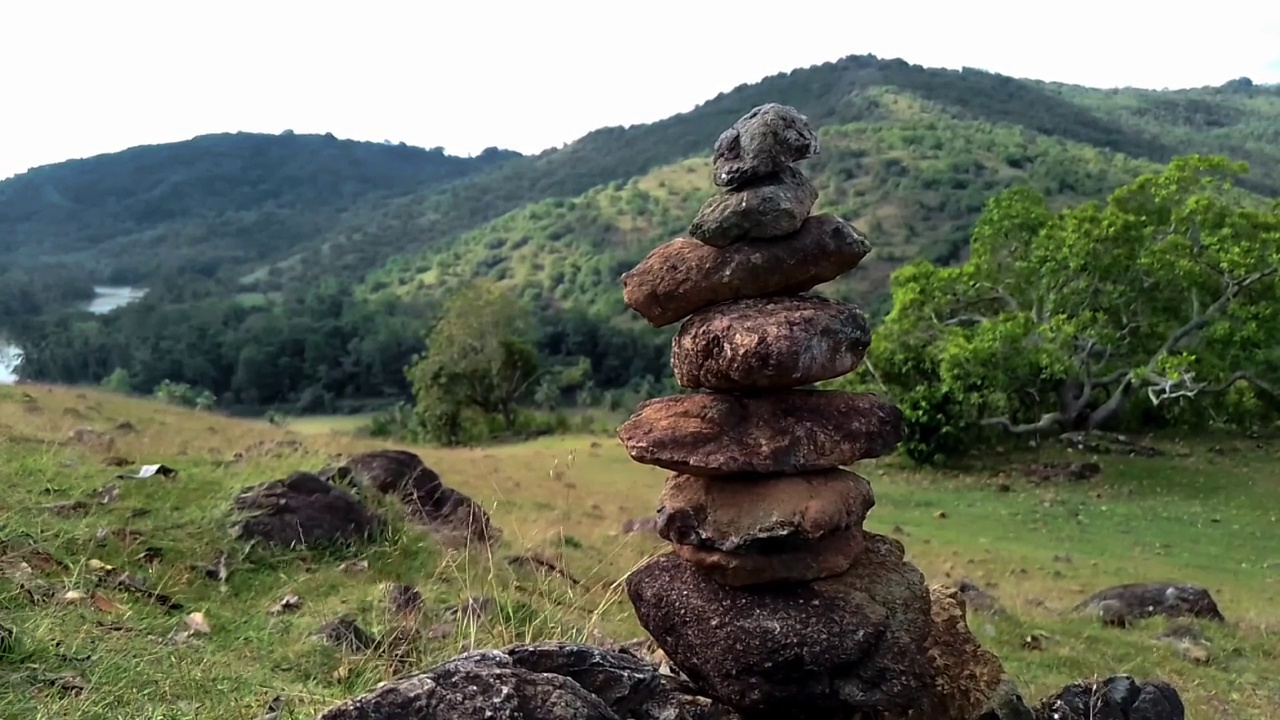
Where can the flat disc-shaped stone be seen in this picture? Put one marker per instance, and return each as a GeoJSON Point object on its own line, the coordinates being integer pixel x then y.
{"type": "Point", "coordinates": [827, 649]}
{"type": "Point", "coordinates": [830, 555]}
{"type": "Point", "coordinates": [770, 207]}
{"type": "Point", "coordinates": [769, 344]}
{"type": "Point", "coordinates": [761, 513]}
{"type": "Point", "coordinates": [788, 431]}
{"type": "Point", "coordinates": [684, 275]}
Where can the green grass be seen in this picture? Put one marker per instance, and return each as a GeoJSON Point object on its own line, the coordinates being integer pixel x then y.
{"type": "Point", "coordinates": [1208, 518]}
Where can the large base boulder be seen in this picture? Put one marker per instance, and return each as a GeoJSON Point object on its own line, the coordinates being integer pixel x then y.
{"type": "Point", "coordinates": [788, 431]}
{"type": "Point", "coordinates": [302, 510]}
{"type": "Point", "coordinates": [835, 649]}
{"type": "Point", "coordinates": [552, 681]}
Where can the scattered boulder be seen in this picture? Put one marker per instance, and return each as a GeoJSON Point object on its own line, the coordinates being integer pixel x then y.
{"type": "Point", "coordinates": [979, 600]}
{"type": "Point", "coordinates": [1105, 443]}
{"type": "Point", "coordinates": [268, 449]}
{"type": "Point", "coordinates": [1136, 601]}
{"type": "Point", "coordinates": [769, 344]}
{"type": "Point", "coordinates": [769, 207]}
{"type": "Point", "coordinates": [95, 439]}
{"type": "Point", "coordinates": [390, 472]}
{"type": "Point", "coordinates": [455, 518]}
{"type": "Point", "coordinates": [761, 143]}
{"type": "Point", "coordinates": [534, 682]}
{"type": "Point", "coordinates": [346, 634]}
{"type": "Point", "coordinates": [302, 510]}
{"type": "Point", "coordinates": [785, 432]}
{"type": "Point", "coordinates": [683, 276]}
{"type": "Point", "coordinates": [762, 514]}
{"type": "Point", "coordinates": [1055, 471]}
{"type": "Point", "coordinates": [1116, 698]}
{"type": "Point", "coordinates": [831, 648]}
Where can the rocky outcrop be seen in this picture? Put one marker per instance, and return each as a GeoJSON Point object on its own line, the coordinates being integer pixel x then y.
{"type": "Point", "coordinates": [302, 510]}
{"type": "Point", "coordinates": [553, 681]}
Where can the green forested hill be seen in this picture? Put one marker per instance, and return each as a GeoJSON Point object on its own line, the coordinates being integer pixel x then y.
{"type": "Point", "coordinates": [212, 204]}
{"type": "Point", "coordinates": [909, 154]}
{"type": "Point", "coordinates": [910, 174]}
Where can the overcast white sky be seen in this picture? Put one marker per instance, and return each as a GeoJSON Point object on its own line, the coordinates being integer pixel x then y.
{"type": "Point", "coordinates": [86, 77]}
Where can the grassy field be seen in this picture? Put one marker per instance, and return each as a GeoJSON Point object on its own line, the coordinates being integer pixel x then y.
{"type": "Point", "coordinates": [1200, 516]}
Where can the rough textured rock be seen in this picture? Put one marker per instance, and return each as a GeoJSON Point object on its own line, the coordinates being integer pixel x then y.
{"type": "Point", "coordinates": [1117, 698]}
{"type": "Point", "coordinates": [684, 275]}
{"type": "Point", "coordinates": [789, 431]}
{"type": "Point", "coordinates": [966, 676]}
{"type": "Point", "coordinates": [827, 649]}
{"type": "Point", "coordinates": [534, 682]}
{"type": "Point", "coordinates": [630, 686]}
{"type": "Point", "coordinates": [302, 510]}
{"type": "Point", "coordinates": [770, 207]}
{"type": "Point", "coordinates": [769, 344]}
{"type": "Point", "coordinates": [1136, 601]}
{"type": "Point", "coordinates": [761, 143]}
{"type": "Point", "coordinates": [390, 472]}
{"type": "Point", "coordinates": [828, 556]}
{"type": "Point", "coordinates": [454, 517]}
{"type": "Point", "coordinates": [756, 514]}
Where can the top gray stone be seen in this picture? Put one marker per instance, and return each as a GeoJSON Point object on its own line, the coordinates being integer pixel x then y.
{"type": "Point", "coordinates": [761, 143]}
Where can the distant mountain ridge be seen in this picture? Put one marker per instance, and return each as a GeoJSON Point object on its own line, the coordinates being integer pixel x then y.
{"type": "Point", "coordinates": [241, 198]}
{"type": "Point", "coordinates": [261, 213]}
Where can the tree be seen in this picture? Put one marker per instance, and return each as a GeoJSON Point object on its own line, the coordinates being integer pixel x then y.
{"type": "Point", "coordinates": [480, 355]}
{"type": "Point", "coordinates": [1160, 300]}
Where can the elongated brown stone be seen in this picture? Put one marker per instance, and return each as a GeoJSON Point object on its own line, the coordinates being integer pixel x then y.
{"type": "Point", "coordinates": [770, 207]}
{"type": "Point", "coordinates": [683, 276]}
{"type": "Point", "coordinates": [762, 513]}
{"type": "Point", "coordinates": [788, 431]}
{"type": "Point", "coordinates": [769, 344]}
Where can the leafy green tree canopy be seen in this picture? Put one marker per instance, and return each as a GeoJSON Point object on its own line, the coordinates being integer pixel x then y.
{"type": "Point", "coordinates": [480, 356]}
{"type": "Point", "coordinates": [1158, 303]}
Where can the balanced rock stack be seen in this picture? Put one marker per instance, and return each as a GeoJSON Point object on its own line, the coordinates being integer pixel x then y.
{"type": "Point", "coordinates": [774, 600]}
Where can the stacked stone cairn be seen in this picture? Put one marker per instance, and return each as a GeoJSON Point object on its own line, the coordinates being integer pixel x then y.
{"type": "Point", "coordinates": [774, 600]}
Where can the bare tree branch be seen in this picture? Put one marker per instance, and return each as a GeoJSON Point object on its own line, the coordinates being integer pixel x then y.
{"type": "Point", "coordinates": [1049, 422]}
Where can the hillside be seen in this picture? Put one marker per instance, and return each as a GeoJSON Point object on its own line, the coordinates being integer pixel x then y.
{"type": "Point", "coordinates": [96, 651]}
{"type": "Point", "coordinates": [208, 205]}
{"type": "Point", "coordinates": [910, 154]}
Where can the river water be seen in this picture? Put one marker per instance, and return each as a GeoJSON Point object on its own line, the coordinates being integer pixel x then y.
{"type": "Point", "coordinates": [108, 298]}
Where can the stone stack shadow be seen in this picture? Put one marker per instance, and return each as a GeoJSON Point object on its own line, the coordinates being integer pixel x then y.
{"type": "Point", "coordinates": [774, 600]}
